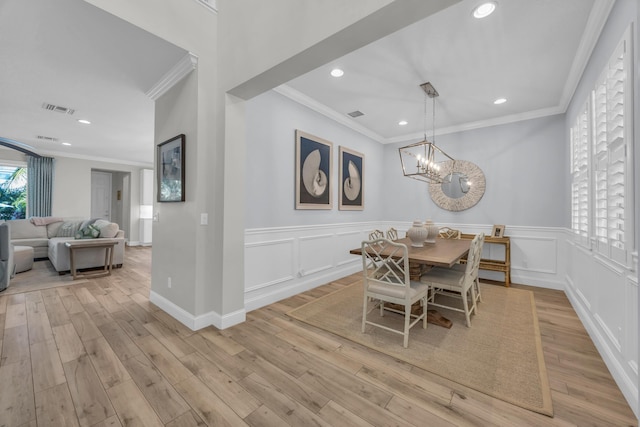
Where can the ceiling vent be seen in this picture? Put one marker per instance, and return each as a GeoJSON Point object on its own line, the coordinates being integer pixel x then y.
{"type": "Point", "coordinates": [47, 138]}
{"type": "Point", "coordinates": [356, 113]}
{"type": "Point", "coordinates": [57, 108]}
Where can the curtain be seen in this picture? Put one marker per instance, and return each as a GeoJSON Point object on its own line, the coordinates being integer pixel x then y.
{"type": "Point", "coordinates": [39, 185]}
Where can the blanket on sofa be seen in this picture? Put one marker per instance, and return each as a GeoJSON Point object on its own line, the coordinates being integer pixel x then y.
{"type": "Point", "coordinates": [44, 220]}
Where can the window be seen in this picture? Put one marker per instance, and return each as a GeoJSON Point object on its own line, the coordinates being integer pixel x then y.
{"type": "Point", "coordinates": [13, 192]}
{"type": "Point", "coordinates": [601, 187]}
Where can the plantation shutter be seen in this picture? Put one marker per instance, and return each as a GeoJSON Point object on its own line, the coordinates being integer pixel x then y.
{"type": "Point", "coordinates": [580, 176]}
{"type": "Point", "coordinates": [610, 158]}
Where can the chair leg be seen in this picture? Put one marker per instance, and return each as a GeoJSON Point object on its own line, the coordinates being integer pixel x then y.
{"type": "Point", "coordinates": [424, 312]}
{"type": "Point", "coordinates": [477, 285]}
{"type": "Point", "coordinates": [465, 303]}
{"type": "Point", "coordinates": [407, 319]}
{"type": "Point", "coordinates": [364, 313]}
{"type": "Point", "coordinates": [474, 306]}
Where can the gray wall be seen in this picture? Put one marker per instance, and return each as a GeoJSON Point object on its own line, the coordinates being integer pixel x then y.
{"type": "Point", "coordinates": [524, 164]}
{"type": "Point", "coordinates": [270, 169]}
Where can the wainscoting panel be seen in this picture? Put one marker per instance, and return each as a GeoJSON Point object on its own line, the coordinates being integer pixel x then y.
{"type": "Point", "coordinates": [319, 254]}
{"type": "Point", "coordinates": [316, 254]}
{"type": "Point", "coordinates": [270, 262]}
{"type": "Point", "coordinates": [605, 296]}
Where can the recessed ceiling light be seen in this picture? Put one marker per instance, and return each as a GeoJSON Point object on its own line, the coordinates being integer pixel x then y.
{"type": "Point", "coordinates": [66, 143]}
{"type": "Point", "coordinates": [484, 10]}
{"type": "Point", "coordinates": [403, 122]}
{"type": "Point", "coordinates": [84, 122]}
{"type": "Point", "coordinates": [337, 72]}
{"type": "Point", "coordinates": [500, 101]}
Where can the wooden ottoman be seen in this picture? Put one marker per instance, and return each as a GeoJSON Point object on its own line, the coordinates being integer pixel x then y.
{"type": "Point", "coordinates": [22, 258]}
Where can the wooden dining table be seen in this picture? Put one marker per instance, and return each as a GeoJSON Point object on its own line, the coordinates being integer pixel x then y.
{"type": "Point", "coordinates": [442, 253]}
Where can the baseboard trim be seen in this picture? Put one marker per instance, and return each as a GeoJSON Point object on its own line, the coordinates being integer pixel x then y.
{"type": "Point", "coordinates": [197, 322]}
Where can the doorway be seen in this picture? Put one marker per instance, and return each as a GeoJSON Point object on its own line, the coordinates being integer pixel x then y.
{"type": "Point", "coordinates": [101, 195]}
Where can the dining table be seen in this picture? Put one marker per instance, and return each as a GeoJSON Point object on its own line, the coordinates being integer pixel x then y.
{"type": "Point", "coordinates": [441, 253]}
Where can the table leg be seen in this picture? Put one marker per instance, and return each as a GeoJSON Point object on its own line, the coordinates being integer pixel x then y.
{"type": "Point", "coordinates": [72, 264]}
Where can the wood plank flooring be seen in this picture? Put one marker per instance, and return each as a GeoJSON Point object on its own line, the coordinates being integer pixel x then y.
{"type": "Point", "coordinates": [97, 353]}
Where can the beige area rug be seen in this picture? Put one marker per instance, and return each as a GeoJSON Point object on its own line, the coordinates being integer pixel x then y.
{"type": "Point", "coordinates": [500, 355]}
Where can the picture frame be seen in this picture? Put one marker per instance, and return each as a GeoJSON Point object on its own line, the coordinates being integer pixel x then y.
{"type": "Point", "coordinates": [171, 169]}
{"type": "Point", "coordinates": [497, 231]}
{"type": "Point", "coordinates": [351, 180]}
{"type": "Point", "coordinates": [314, 172]}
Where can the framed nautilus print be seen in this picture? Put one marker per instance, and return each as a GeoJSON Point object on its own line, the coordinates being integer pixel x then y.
{"type": "Point", "coordinates": [314, 171]}
{"type": "Point", "coordinates": [351, 182]}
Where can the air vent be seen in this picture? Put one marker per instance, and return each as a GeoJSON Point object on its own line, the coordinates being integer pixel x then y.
{"type": "Point", "coordinates": [356, 113]}
{"type": "Point", "coordinates": [47, 138]}
{"type": "Point", "coordinates": [57, 108]}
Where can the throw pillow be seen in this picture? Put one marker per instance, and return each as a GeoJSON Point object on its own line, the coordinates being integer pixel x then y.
{"type": "Point", "coordinates": [88, 232]}
{"type": "Point", "coordinates": [69, 228]}
{"type": "Point", "coordinates": [107, 229]}
{"type": "Point", "coordinates": [110, 230]}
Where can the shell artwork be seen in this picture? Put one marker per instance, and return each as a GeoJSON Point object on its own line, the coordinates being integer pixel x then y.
{"type": "Point", "coordinates": [314, 179]}
{"type": "Point", "coordinates": [352, 183]}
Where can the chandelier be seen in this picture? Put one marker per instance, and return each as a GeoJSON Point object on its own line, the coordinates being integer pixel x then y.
{"type": "Point", "coordinates": [423, 160]}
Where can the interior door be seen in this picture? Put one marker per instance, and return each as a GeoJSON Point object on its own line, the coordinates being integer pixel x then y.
{"type": "Point", "coordinates": [101, 195]}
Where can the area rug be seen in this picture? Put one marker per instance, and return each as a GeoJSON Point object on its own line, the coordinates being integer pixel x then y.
{"type": "Point", "coordinates": [500, 355]}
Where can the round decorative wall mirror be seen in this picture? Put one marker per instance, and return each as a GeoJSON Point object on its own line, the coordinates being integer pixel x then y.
{"type": "Point", "coordinates": [463, 186]}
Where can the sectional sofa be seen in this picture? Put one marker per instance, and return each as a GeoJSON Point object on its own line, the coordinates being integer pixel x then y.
{"type": "Point", "coordinates": [47, 237]}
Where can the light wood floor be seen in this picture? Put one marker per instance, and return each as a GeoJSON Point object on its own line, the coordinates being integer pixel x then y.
{"type": "Point", "coordinates": [96, 352]}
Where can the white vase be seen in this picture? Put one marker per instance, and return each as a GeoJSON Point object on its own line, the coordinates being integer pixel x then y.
{"type": "Point", "coordinates": [417, 234]}
{"type": "Point", "coordinates": [432, 231]}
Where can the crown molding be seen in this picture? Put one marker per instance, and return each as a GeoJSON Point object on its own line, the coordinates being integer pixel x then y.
{"type": "Point", "coordinates": [595, 23]}
{"type": "Point", "coordinates": [318, 107]}
{"type": "Point", "coordinates": [188, 63]}
{"type": "Point", "coordinates": [54, 153]}
{"type": "Point", "coordinates": [512, 118]}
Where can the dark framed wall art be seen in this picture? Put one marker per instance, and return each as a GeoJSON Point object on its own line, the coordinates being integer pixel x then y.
{"type": "Point", "coordinates": [351, 180]}
{"type": "Point", "coordinates": [314, 171]}
{"type": "Point", "coordinates": [170, 170]}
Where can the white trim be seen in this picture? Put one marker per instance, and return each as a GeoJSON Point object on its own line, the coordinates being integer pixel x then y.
{"type": "Point", "coordinates": [597, 19]}
{"type": "Point", "coordinates": [197, 322]}
{"type": "Point", "coordinates": [626, 384]}
{"type": "Point", "coordinates": [210, 5]}
{"type": "Point", "coordinates": [318, 107]}
{"type": "Point", "coordinates": [95, 158]}
{"type": "Point", "coordinates": [187, 64]}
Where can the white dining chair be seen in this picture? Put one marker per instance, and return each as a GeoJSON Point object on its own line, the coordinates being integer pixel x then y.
{"type": "Point", "coordinates": [458, 281]}
{"type": "Point", "coordinates": [386, 280]}
{"type": "Point", "coordinates": [376, 234]}
{"type": "Point", "coordinates": [392, 234]}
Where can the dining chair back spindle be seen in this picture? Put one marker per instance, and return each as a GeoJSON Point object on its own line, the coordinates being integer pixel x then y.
{"type": "Point", "coordinates": [392, 234]}
{"type": "Point", "coordinates": [376, 234]}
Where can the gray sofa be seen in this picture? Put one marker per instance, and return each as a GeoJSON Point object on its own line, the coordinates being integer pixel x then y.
{"type": "Point", "coordinates": [47, 236]}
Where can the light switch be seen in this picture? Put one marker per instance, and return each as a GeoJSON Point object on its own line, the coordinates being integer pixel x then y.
{"type": "Point", "coordinates": [204, 219]}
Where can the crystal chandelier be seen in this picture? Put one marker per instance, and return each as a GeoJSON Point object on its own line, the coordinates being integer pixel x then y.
{"type": "Point", "coordinates": [423, 160]}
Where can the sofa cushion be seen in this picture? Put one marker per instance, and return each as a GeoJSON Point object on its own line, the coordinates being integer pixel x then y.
{"type": "Point", "coordinates": [24, 229]}
{"type": "Point", "coordinates": [107, 229]}
{"type": "Point", "coordinates": [68, 229]}
{"type": "Point", "coordinates": [52, 229]}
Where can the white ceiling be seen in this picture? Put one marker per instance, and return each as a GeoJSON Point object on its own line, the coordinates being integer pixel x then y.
{"type": "Point", "coordinates": [71, 54]}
